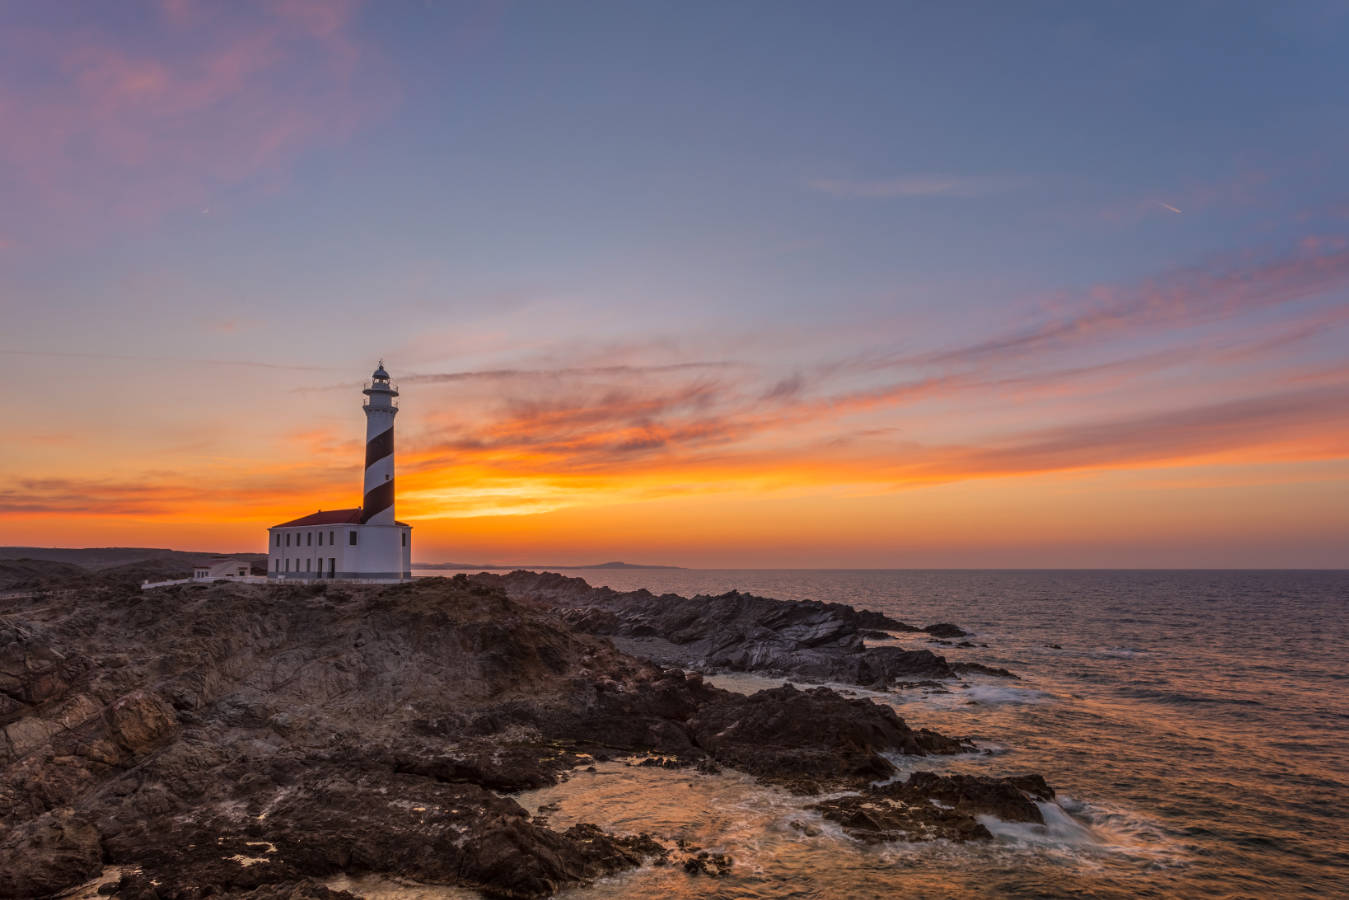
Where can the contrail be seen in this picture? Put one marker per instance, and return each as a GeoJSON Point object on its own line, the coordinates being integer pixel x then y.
{"type": "Point", "coordinates": [1168, 206]}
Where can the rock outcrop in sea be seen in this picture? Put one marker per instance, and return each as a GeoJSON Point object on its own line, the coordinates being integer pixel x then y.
{"type": "Point", "coordinates": [248, 740]}
{"type": "Point", "coordinates": [737, 632]}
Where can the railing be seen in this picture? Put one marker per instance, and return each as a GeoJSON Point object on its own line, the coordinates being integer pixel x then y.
{"type": "Point", "coordinates": [370, 386]}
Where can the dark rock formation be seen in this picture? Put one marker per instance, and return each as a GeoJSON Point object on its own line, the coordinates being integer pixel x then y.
{"type": "Point", "coordinates": [251, 740]}
{"type": "Point", "coordinates": [738, 632]}
{"type": "Point", "coordinates": [929, 806]}
{"type": "Point", "coordinates": [981, 669]}
{"type": "Point", "coordinates": [800, 737]}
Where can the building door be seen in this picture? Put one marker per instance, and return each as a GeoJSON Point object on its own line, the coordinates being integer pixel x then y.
{"type": "Point", "coordinates": [332, 566]}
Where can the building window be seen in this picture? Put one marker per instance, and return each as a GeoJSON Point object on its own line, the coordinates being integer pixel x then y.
{"type": "Point", "coordinates": [320, 538]}
{"type": "Point", "coordinates": [287, 565]}
{"type": "Point", "coordinates": [306, 564]}
{"type": "Point", "coordinates": [276, 567]}
{"type": "Point", "coordinates": [278, 539]}
{"type": "Point", "coordinates": [331, 538]}
{"type": "Point", "coordinates": [310, 540]}
{"type": "Point", "coordinates": [351, 538]}
{"type": "Point", "coordinates": [405, 539]}
{"type": "Point", "coordinates": [287, 538]}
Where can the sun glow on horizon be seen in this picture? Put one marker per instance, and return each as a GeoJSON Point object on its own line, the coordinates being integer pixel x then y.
{"type": "Point", "coordinates": [686, 329]}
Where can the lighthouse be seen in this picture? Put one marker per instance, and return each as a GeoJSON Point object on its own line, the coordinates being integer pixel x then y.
{"type": "Point", "coordinates": [365, 542]}
{"type": "Point", "coordinates": [380, 409]}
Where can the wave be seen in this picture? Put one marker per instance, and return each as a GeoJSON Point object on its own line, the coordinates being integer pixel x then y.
{"type": "Point", "coordinates": [1074, 827]}
{"type": "Point", "coordinates": [981, 694]}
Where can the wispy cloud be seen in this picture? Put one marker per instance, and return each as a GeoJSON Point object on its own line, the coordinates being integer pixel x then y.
{"type": "Point", "coordinates": [1178, 299]}
{"type": "Point", "coordinates": [565, 372]}
{"type": "Point", "coordinates": [965, 186]}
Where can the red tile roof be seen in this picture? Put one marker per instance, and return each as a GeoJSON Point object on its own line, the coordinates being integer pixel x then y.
{"type": "Point", "coordinates": [328, 517]}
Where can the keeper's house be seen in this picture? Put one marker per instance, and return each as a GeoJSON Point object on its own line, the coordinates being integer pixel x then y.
{"type": "Point", "coordinates": [221, 567]}
{"type": "Point", "coordinates": [365, 542]}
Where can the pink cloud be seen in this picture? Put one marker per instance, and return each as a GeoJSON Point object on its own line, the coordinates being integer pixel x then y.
{"type": "Point", "coordinates": [102, 129]}
{"type": "Point", "coordinates": [1181, 298]}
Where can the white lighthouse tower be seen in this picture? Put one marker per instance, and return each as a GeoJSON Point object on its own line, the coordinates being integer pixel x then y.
{"type": "Point", "coordinates": [377, 509]}
{"type": "Point", "coordinates": [365, 542]}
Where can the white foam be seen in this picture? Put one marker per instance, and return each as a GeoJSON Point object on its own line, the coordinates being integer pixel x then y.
{"type": "Point", "coordinates": [1059, 829]}
{"type": "Point", "coordinates": [1118, 653]}
{"type": "Point", "coordinates": [982, 694]}
{"type": "Point", "coordinates": [1077, 829]}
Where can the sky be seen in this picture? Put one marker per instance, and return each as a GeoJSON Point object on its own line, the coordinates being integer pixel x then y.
{"type": "Point", "coordinates": [764, 284]}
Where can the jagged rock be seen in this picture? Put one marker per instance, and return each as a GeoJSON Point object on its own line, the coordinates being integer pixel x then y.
{"type": "Point", "coordinates": [929, 806]}
{"type": "Point", "coordinates": [49, 853]}
{"type": "Point", "coordinates": [141, 722]}
{"type": "Point", "coordinates": [981, 669]}
{"type": "Point", "coordinates": [801, 737]}
{"type": "Point", "coordinates": [1011, 799]}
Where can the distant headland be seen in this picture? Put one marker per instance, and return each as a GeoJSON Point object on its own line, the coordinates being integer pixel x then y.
{"type": "Point", "coordinates": [475, 566]}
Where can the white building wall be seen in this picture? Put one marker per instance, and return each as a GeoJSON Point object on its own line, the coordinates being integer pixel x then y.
{"type": "Point", "coordinates": [381, 551]}
{"type": "Point", "coordinates": [323, 551]}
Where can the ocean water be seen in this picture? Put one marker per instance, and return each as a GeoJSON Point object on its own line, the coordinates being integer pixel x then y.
{"type": "Point", "coordinates": [1194, 724]}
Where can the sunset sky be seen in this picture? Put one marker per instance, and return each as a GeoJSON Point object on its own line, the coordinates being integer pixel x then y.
{"type": "Point", "coordinates": [749, 284]}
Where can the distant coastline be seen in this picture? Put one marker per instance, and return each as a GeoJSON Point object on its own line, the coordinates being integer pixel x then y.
{"type": "Point", "coordinates": [455, 566]}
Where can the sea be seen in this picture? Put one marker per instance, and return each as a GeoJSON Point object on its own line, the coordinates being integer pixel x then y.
{"type": "Point", "coordinates": [1195, 725]}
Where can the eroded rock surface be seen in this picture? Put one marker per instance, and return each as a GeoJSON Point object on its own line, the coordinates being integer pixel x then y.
{"type": "Point", "coordinates": [250, 740]}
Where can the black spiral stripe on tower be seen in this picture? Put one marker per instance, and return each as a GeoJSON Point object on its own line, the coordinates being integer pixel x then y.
{"type": "Point", "coordinates": [378, 447]}
{"type": "Point", "coordinates": [377, 499]}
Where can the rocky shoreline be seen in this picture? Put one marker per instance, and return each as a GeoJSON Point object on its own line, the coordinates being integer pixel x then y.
{"type": "Point", "coordinates": [737, 632]}
{"type": "Point", "coordinates": [257, 741]}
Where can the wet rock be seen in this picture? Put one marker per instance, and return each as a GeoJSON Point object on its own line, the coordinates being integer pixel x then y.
{"type": "Point", "coordinates": [981, 669]}
{"type": "Point", "coordinates": [1011, 799]}
{"type": "Point", "coordinates": [805, 738]}
{"type": "Point", "coordinates": [929, 806]}
{"type": "Point", "coordinates": [879, 820]}
{"type": "Point", "coordinates": [714, 865]}
{"type": "Point", "coordinates": [946, 630]}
